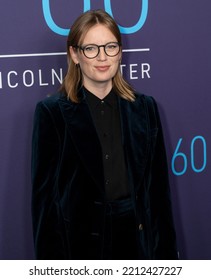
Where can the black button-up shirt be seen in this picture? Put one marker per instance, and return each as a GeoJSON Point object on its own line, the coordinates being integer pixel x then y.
{"type": "Point", "coordinates": [106, 117]}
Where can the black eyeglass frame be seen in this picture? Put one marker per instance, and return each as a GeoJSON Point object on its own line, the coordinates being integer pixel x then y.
{"type": "Point", "coordinates": [82, 48]}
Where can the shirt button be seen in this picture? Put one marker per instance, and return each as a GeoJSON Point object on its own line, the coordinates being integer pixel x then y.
{"type": "Point", "coordinates": [140, 227]}
{"type": "Point", "coordinates": [102, 101]}
{"type": "Point", "coordinates": [106, 157]}
{"type": "Point", "coordinates": [102, 112]}
{"type": "Point", "coordinates": [107, 182]}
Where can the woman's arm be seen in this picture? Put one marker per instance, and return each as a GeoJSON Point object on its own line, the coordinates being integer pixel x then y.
{"type": "Point", "coordinates": [45, 209]}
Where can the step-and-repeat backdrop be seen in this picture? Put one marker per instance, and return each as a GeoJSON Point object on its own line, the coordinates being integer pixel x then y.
{"type": "Point", "coordinates": [167, 48]}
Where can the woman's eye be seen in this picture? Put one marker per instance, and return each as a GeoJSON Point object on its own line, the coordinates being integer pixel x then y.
{"type": "Point", "coordinates": [90, 48]}
{"type": "Point", "coordinates": [111, 46]}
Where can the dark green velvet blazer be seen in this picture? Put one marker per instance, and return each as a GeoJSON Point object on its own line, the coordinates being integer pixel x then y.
{"type": "Point", "coordinates": [68, 196]}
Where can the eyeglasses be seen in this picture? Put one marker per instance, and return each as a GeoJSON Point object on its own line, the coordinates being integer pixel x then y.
{"type": "Point", "coordinates": [92, 50]}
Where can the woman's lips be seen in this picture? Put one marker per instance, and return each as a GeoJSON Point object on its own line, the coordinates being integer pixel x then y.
{"type": "Point", "coordinates": [102, 68]}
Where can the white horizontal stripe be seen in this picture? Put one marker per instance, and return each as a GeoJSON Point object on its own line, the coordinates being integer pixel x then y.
{"type": "Point", "coordinates": [58, 53]}
{"type": "Point", "coordinates": [30, 55]}
{"type": "Point", "coordinates": [137, 50]}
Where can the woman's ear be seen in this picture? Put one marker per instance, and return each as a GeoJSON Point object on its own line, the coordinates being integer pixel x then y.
{"type": "Point", "coordinates": [74, 54]}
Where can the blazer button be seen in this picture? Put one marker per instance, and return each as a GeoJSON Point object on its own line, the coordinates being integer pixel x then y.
{"type": "Point", "coordinates": [140, 227]}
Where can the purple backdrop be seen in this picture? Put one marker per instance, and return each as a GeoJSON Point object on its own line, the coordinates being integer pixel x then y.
{"type": "Point", "coordinates": [167, 47]}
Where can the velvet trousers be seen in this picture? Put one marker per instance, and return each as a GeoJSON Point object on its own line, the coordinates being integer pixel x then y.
{"type": "Point", "coordinates": [120, 231]}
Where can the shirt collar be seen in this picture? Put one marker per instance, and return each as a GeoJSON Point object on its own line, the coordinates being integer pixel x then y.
{"type": "Point", "coordinates": [94, 101]}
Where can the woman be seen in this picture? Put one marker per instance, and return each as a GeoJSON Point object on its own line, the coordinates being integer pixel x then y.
{"type": "Point", "coordinates": [99, 170]}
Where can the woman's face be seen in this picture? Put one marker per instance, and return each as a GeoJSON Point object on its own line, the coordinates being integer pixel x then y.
{"type": "Point", "coordinates": [100, 70]}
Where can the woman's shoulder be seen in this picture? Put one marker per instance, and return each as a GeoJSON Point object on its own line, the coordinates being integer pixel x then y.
{"type": "Point", "coordinates": [140, 97]}
{"type": "Point", "coordinates": [50, 105]}
{"type": "Point", "coordinates": [142, 100]}
{"type": "Point", "coordinates": [49, 109]}
{"type": "Point", "coordinates": [51, 100]}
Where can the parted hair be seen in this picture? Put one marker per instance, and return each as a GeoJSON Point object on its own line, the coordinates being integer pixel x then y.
{"type": "Point", "coordinates": [73, 79]}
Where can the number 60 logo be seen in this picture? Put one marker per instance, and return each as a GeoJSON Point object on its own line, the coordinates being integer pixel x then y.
{"type": "Point", "coordinates": [87, 6]}
{"type": "Point", "coordinates": [184, 158]}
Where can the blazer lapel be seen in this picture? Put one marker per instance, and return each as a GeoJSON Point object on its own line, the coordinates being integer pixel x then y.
{"type": "Point", "coordinates": [84, 136]}
{"type": "Point", "coordinates": [135, 134]}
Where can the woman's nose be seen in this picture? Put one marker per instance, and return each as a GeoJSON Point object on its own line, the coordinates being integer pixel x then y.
{"type": "Point", "coordinates": [102, 55]}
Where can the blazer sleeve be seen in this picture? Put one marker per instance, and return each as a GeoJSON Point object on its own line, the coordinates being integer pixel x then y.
{"type": "Point", "coordinates": [45, 209]}
{"type": "Point", "coordinates": [161, 207]}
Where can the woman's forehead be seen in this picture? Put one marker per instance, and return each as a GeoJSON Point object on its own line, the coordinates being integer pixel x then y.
{"type": "Point", "coordinates": [98, 34]}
